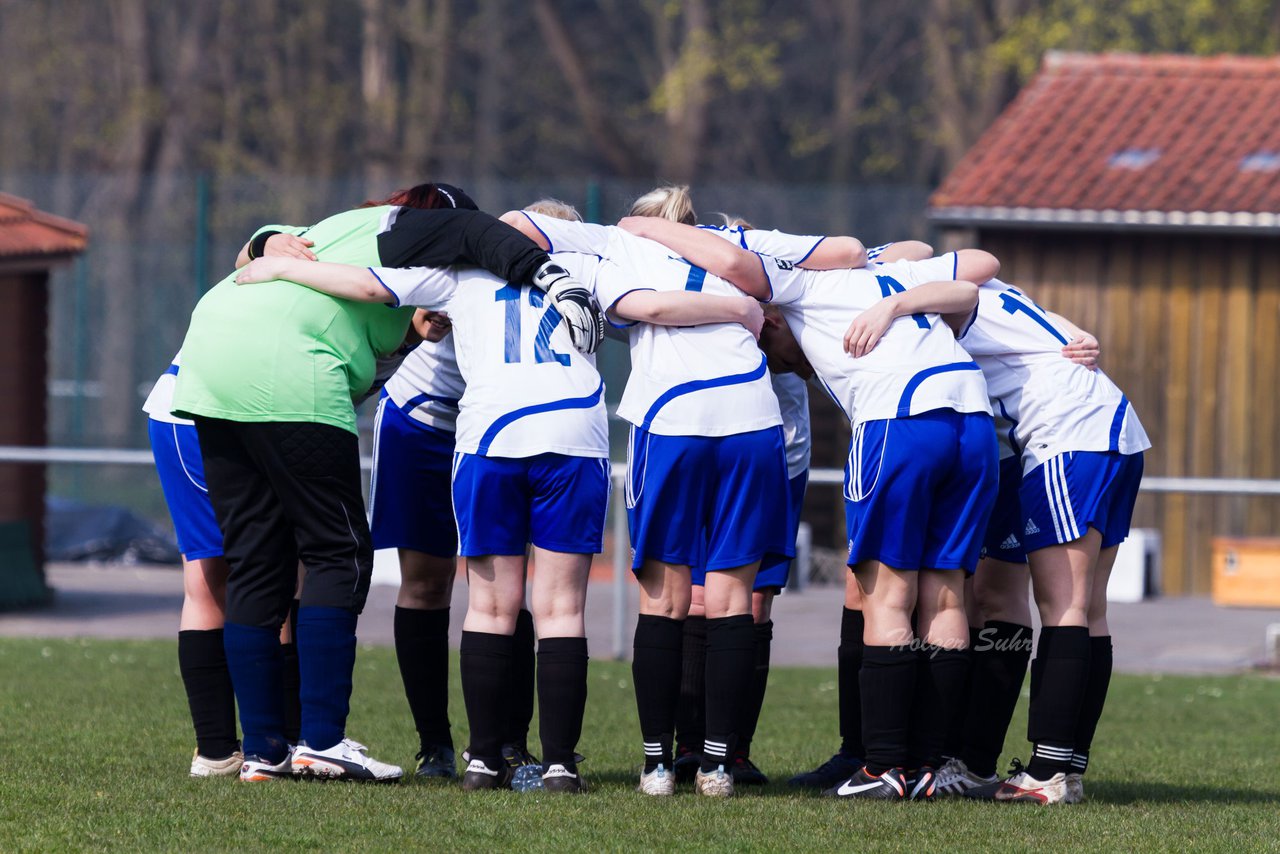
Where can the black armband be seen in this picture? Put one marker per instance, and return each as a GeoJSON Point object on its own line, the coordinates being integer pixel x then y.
{"type": "Point", "coordinates": [259, 244]}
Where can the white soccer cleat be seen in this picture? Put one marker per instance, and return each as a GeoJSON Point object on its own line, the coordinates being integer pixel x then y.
{"type": "Point", "coordinates": [1075, 788]}
{"type": "Point", "coordinates": [955, 778]}
{"type": "Point", "coordinates": [1023, 788]}
{"type": "Point", "coordinates": [203, 766]}
{"type": "Point", "coordinates": [717, 784]}
{"type": "Point", "coordinates": [258, 770]}
{"type": "Point", "coordinates": [346, 760]}
{"type": "Point", "coordinates": [659, 782]}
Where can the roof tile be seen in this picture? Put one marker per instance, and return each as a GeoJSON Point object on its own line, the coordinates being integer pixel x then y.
{"type": "Point", "coordinates": [1184, 125]}
{"type": "Point", "coordinates": [26, 231]}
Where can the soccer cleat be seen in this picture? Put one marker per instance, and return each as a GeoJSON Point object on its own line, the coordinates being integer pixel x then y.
{"type": "Point", "coordinates": [1075, 788]}
{"type": "Point", "coordinates": [346, 760]}
{"type": "Point", "coordinates": [716, 784]}
{"type": "Point", "coordinates": [687, 763]}
{"type": "Point", "coordinates": [744, 771]}
{"type": "Point", "coordinates": [922, 784]}
{"type": "Point", "coordinates": [258, 770]}
{"type": "Point", "coordinates": [955, 778]}
{"type": "Point", "coordinates": [658, 782]}
{"type": "Point", "coordinates": [480, 775]}
{"type": "Point", "coordinates": [888, 786]}
{"type": "Point", "coordinates": [1021, 787]}
{"type": "Point", "coordinates": [203, 766]}
{"type": "Point", "coordinates": [830, 773]}
{"type": "Point", "coordinates": [559, 778]}
{"type": "Point", "coordinates": [436, 762]}
{"type": "Point", "coordinates": [526, 769]}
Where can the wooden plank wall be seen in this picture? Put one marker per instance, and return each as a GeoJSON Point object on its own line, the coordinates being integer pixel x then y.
{"type": "Point", "coordinates": [1189, 327]}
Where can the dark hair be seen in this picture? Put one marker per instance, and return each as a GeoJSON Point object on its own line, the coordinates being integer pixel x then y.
{"type": "Point", "coordinates": [426, 197]}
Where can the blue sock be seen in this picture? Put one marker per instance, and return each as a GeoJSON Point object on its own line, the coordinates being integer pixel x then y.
{"type": "Point", "coordinates": [326, 658]}
{"type": "Point", "coordinates": [253, 658]}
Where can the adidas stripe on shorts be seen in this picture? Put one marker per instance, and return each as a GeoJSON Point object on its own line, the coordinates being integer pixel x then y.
{"type": "Point", "coordinates": [1004, 532]}
{"type": "Point", "coordinates": [1076, 490]}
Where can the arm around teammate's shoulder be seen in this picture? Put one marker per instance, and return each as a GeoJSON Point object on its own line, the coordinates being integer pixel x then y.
{"type": "Point", "coordinates": [713, 254]}
{"type": "Point", "coordinates": [836, 253]}
{"type": "Point", "coordinates": [344, 281]}
{"type": "Point", "coordinates": [689, 308]}
{"type": "Point", "coordinates": [905, 250]}
{"type": "Point", "coordinates": [976, 265]}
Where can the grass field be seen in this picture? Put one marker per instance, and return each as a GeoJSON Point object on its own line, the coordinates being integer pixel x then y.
{"type": "Point", "coordinates": [96, 742]}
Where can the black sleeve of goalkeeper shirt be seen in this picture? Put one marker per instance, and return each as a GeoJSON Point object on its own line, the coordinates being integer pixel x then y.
{"type": "Point", "coordinates": [446, 237]}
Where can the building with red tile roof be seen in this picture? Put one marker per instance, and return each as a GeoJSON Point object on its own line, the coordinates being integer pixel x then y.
{"type": "Point", "coordinates": [1129, 141]}
{"type": "Point", "coordinates": [1140, 197]}
{"type": "Point", "coordinates": [31, 243]}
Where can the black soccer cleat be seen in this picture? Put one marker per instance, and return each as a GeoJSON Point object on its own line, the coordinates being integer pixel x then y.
{"type": "Point", "coordinates": [922, 783]}
{"type": "Point", "coordinates": [436, 762]}
{"type": "Point", "coordinates": [686, 764]}
{"type": "Point", "coordinates": [564, 779]}
{"type": "Point", "coordinates": [888, 786]}
{"type": "Point", "coordinates": [835, 770]}
{"type": "Point", "coordinates": [744, 771]}
{"type": "Point", "coordinates": [481, 775]}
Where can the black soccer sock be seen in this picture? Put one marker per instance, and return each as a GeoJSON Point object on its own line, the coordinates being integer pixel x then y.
{"type": "Point", "coordinates": [562, 697]}
{"type": "Point", "coordinates": [731, 658]}
{"type": "Point", "coordinates": [942, 676]}
{"type": "Point", "coordinates": [849, 658]}
{"type": "Point", "coordinates": [486, 665]}
{"type": "Point", "coordinates": [422, 651]}
{"type": "Point", "coordinates": [202, 660]}
{"type": "Point", "coordinates": [655, 670]}
{"type": "Point", "coordinates": [754, 701]}
{"type": "Point", "coordinates": [955, 736]}
{"type": "Point", "coordinates": [691, 713]}
{"type": "Point", "coordinates": [999, 667]}
{"type": "Point", "coordinates": [1095, 697]}
{"type": "Point", "coordinates": [887, 682]}
{"type": "Point", "coordinates": [291, 679]}
{"type": "Point", "coordinates": [523, 682]}
{"type": "Point", "coordinates": [1057, 693]}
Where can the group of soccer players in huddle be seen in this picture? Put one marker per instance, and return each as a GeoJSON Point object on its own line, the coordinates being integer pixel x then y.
{"type": "Point", "coordinates": [988, 454]}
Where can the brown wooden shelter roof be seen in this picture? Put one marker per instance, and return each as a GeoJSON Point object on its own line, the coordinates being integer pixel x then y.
{"type": "Point", "coordinates": [1126, 139]}
{"type": "Point", "coordinates": [26, 232]}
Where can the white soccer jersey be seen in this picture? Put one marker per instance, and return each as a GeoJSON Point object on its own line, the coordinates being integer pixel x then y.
{"type": "Point", "coordinates": [1053, 404]}
{"type": "Point", "coordinates": [795, 248]}
{"type": "Point", "coordinates": [917, 365]}
{"type": "Point", "coordinates": [160, 400]}
{"type": "Point", "coordinates": [528, 390]}
{"type": "Point", "coordinates": [792, 392]}
{"type": "Point", "coordinates": [708, 380]}
{"type": "Point", "coordinates": [428, 385]}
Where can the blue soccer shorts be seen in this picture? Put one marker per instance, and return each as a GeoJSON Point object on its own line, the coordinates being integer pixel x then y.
{"type": "Point", "coordinates": [718, 502]}
{"type": "Point", "coordinates": [180, 465]}
{"type": "Point", "coordinates": [554, 501]}
{"type": "Point", "coordinates": [919, 490]}
{"type": "Point", "coordinates": [410, 504]}
{"type": "Point", "coordinates": [1077, 490]}
{"type": "Point", "coordinates": [1003, 540]}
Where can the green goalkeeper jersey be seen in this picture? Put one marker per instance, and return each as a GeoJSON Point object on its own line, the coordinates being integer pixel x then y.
{"type": "Point", "coordinates": [279, 352]}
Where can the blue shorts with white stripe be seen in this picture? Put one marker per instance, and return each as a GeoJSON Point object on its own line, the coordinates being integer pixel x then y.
{"type": "Point", "coordinates": [1076, 490]}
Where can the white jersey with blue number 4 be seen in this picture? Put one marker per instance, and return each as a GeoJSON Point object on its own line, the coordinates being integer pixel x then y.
{"type": "Point", "coordinates": [917, 366]}
{"type": "Point", "coordinates": [708, 380]}
{"type": "Point", "coordinates": [528, 390]}
{"type": "Point", "coordinates": [1053, 404]}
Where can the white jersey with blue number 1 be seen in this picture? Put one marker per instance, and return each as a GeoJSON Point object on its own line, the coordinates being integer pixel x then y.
{"type": "Point", "coordinates": [917, 366]}
{"type": "Point", "coordinates": [1053, 405]}
{"type": "Point", "coordinates": [528, 390]}
{"type": "Point", "coordinates": [708, 380]}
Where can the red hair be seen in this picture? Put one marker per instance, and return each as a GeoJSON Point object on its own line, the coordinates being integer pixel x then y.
{"type": "Point", "coordinates": [424, 196]}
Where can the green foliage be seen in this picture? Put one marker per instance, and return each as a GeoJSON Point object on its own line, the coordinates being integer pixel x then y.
{"type": "Point", "coordinates": [96, 740]}
{"type": "Point", "coordinates": [1201, 27]}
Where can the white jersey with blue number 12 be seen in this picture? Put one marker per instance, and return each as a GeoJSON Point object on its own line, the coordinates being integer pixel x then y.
{"type": "Point", "coordinates": [917, 366]}
{"type": "Point", "coordinates": [1053, 404]}
{"type": "Point", "coordinates": [528, 390]}
{"type": "Point", "coordinates": [708, 380]}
